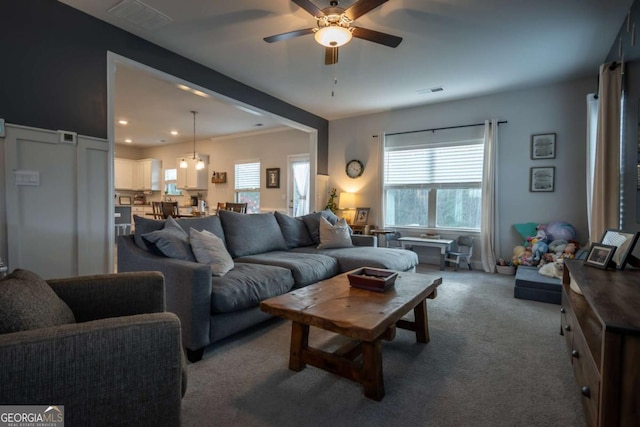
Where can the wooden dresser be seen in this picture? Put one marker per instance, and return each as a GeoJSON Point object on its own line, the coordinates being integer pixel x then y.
{"type": "Point", "coordinates": [602, 331]}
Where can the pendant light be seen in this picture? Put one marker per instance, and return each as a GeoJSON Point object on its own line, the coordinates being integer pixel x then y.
{"type": "Point", "coordinates": [200, 163]}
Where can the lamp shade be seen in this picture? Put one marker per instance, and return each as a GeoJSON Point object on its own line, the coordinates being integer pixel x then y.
{"type": "Point", "coordinates": [333, 36]}
{"type": "Point", "coordinates": [347, 201]}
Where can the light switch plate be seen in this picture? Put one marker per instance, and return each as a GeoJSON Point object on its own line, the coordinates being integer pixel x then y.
{"type": "Point", "coordinates": [26, 177]}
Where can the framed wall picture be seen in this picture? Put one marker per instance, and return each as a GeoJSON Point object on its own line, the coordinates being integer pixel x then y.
{"type": "Point", "coordinates": [543, 146]}
{"type": "Point", "coordinates": [600, 255]}
{"type": "Point", "coordinates": [273, 178]}
{"type": "Point", "coordinates": [542, 179]}
{"type": "Point", "coordinates": [362, 216]}
{"type": "Point", "coordinates": [124, 200]}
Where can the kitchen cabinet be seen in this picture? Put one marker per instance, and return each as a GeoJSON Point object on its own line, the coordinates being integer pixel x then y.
{"type": "Point", "coordinates": [146, 174]}
{"type": "Point", "coordinates": [137, 175]}
{"type": "Point", "coordinates": [190, 178]}
{"type": "Point", "coordinates": [123, 174]}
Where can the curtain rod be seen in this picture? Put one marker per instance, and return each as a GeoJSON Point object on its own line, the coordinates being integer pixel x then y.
{"type": "Point", "coordinates": [448, 127]}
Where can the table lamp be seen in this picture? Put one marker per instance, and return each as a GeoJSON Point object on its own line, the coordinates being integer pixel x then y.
{"type": "Point", "coordinates": [347, 202]}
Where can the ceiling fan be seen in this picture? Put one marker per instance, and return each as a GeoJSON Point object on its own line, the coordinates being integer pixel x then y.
{"type": "Point", "coordinates": [334, 27]}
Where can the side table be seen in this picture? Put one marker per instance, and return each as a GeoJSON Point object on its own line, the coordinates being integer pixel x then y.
{"type": "Point", "coordinates": [382, 232]}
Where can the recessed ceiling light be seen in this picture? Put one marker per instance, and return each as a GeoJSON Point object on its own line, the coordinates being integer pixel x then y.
{"type": "Point", "coordinates": [199, 93]}
{"type": "Point", "coordinates": [128, 140]}
{"type": "Point", "coordinates": [183, 87]}
{"type": "Point", "coordinates": [174, 132]}
{"type": "Point", "coordinates": [123, 122]}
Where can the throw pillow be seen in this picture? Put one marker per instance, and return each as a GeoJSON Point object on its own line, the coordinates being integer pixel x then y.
{"type": "Point", "coordinates": [209, 249]}
{"type": "Point", "coordinates": [294, 231]}
{"type": "Point", "coordinates": [172, 241]}
{"type": "Point", "coordinates": [28, 302]}
{"type": "Point", "coordinates": [334, 236]}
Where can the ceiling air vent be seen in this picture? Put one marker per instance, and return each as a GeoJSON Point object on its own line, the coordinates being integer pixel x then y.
{"type": "Point", "coordinates": [140, 14]}
{"type": "Point", "coordinates": [431, 90]}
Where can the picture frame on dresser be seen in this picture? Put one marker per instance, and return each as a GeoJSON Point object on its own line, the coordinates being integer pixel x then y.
{"type": "Point", "coordinates": [600, 255]}
{"type": "Point", "coordinates": [625, 242]}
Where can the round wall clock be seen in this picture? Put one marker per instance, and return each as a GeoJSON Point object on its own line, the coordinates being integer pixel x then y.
{"type": "Point", "coordinates": [355, 168]}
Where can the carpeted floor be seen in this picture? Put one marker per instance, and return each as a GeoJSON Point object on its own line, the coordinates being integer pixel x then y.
{"type": "Point", "coordinates": [492, 361]}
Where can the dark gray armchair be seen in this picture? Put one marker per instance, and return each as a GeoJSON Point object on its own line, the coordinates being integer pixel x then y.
{"type": "Point", "coordinates": [121, 363]}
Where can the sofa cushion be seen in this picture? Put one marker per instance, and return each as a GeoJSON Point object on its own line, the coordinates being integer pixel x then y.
{"type": "Point", "coordinates": [293, 230]}
{"type": "Point", "coordinates": [209, 249]}
{"type": "Point", "coordinates": [144, 225]}
{"type": "Point", "coordinates": [312, 222]}
{"type": "Point", "coordinates": [210, 223]}
{"type": "Point", "coordinates": [334, 236]}
{"type": "Point", "coordinates": [246, 285]}
{"type": "Point", "coordinates": [248, 234]}
{"type": "Point", "coordinates": [28, 302]}
{"type": "Point", "coordinates": [172, 241]}
{"type": "Point", "coordinates": [366, 256]}
{"type": "Point", "coordinates": [306, 268]}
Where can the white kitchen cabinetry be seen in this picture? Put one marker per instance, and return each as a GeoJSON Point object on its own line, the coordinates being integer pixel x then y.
{"type": "Point", "coordinates": [189, 178]}
{"type": "Point", "coordinates": [140, 210]}
{"type": "Point", "coordinates": [147, 174]}
{"type": "Point", "coordinates": [137, 175]}
{"type": "Point", "coordinates": [123, 174]}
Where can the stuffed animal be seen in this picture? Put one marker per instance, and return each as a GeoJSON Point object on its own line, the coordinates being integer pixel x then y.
{"type": "Point", "coordinates": [518, 252]}
{"type": "Point", "coordinates": [558, 246]}
{"type": "Point", "coordinates": [538, 249]}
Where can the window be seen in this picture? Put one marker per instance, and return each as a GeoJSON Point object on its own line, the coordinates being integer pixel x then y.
{"type": "Point", "coordinates": [171, 182]}
{"type": "Point", "coordinates": [433, 180]}
{"type": "Point", "coordinates": [247, 184]}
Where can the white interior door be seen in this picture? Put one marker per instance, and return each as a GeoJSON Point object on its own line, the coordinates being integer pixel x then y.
{"type": "Point", "coordinates": [57, 203]}
{"type": "Point", "coordinates": [298, 184]}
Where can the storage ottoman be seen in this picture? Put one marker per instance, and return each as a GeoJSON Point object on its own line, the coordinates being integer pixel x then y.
{"type": "Point", "coordinates": [534, 286]}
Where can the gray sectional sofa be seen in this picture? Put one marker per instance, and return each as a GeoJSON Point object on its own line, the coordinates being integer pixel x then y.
{"type": "Point", "coordinates": [272, 254]}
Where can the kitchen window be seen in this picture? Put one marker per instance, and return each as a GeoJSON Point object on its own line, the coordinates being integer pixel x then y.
{"type": "Point", "coordinates": [171, 182]}
{"type": "Point", "coordinates": [247, 184]}
{"type": "Point", "coordinates": [433, 179]}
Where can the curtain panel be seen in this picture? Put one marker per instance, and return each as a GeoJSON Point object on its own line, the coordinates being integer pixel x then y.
{"type": "Point", "coordinates": [605, 202]}
{"type": "Point", "coordinates": [489, 210]}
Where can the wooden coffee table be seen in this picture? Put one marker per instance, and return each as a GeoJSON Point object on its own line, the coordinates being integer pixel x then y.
{"type": "Point", "coordinates": [368, 317]}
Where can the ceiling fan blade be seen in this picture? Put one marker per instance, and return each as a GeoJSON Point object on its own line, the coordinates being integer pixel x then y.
{"type": "Point", "coordinates": [309, 7]}
{"type": "Point", "coordinates": [362, 7]}
{"type": "Point", "coordinates": [330, 56]}
{"type": "Point", "coordinates": [376, 37]}
{"type": "Point", "coordinates": [289, 35]}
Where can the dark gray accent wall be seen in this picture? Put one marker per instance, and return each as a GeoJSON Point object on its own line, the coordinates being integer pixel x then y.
{"type": "Point", "coordinates": [53, 72]}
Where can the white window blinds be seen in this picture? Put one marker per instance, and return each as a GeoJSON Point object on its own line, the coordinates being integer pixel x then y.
{"type": "Point", "coordinates": [247, 175]}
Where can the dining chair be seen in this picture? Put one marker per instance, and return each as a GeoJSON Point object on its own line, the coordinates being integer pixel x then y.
{"type": "Point", "coordinates": [170, 209]}
{"type": "Point", "coordinates": [157, 210]}
{"type": "Point", "coordinates": [236, 207]}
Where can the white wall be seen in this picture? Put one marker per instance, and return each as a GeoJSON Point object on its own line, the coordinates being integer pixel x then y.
{"type": "Point", "coordinates": [271, 148]}
{"type": "Point", "coordinates": [559, 108]}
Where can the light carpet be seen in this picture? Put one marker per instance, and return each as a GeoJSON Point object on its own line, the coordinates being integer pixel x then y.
{"type": "Point", "coordinates": [492, 361]}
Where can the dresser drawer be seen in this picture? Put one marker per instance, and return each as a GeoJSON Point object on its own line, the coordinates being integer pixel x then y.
{"type": "Point", "coordinates": [587, 376]}
{"type": "Point", "coordinates": [568, 322]}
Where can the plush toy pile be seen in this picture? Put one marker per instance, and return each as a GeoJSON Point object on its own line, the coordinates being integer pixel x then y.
{"type": "Point", "coordinates": [545, 243]}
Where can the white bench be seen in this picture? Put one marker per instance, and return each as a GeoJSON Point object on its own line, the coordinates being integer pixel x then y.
{"type": "Point", "coordinates": [442, 244]}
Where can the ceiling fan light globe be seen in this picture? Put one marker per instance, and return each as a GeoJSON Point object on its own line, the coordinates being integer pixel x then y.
{"type": "Point", "coordinates": [333, 36]}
